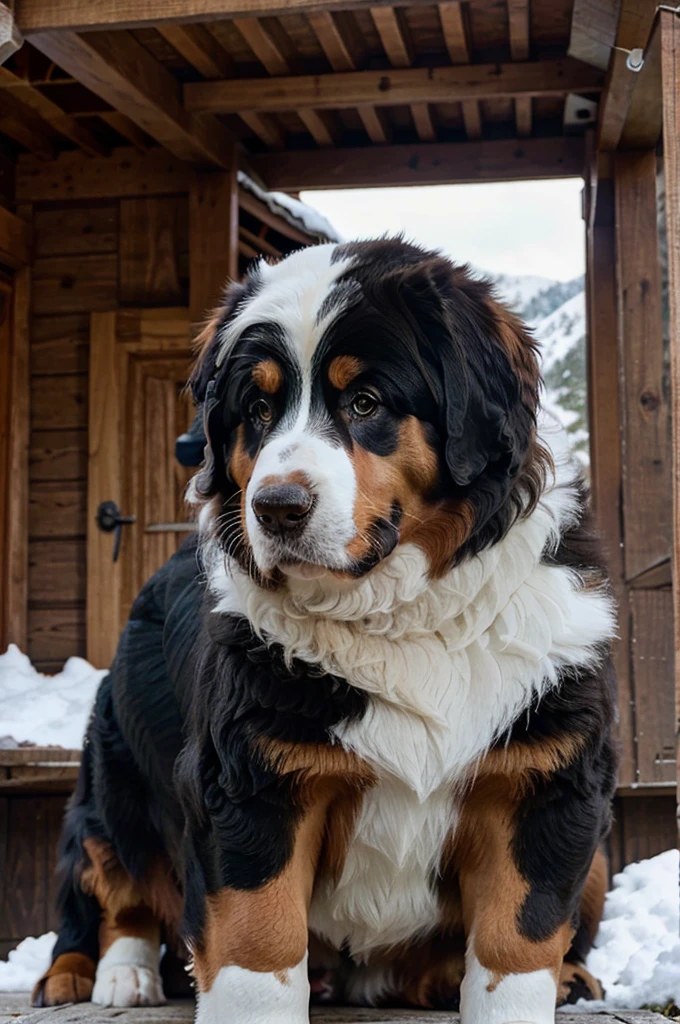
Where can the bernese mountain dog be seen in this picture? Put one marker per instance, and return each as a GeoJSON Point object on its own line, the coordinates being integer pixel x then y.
{"type": "Point", "coordinates": [357, 736]}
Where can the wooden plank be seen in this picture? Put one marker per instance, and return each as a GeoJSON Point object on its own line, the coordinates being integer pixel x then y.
{"type": "Point", "coordinates": [150, 243]}
{"type": "Point", "coordinates": [653, 676]}
{"type": "Point", "coordinates": [337, 37]}
{"type": "Point", "coordinates": [602, 360]}
{"type": "Point", "coordinates": [16, 240]}
{"type": "Point", "coordinates": [70, 127]}
{"type": "Point", "coordinates": [390, 25]}
{"type": "Point", "coordinates": [645, 408]}
{"type": "Point", "coordinates": [505, 160]}
{"type": "Point", "coordinates": [265, 127]}
{"type": "Point", "coordinates": [75, 284]}
{"type": "Point", "coordinates": [400, 85]}
{"type": "Point", "coordinates": [25, 878]}
{"type": "Point", "coordinates": [455, 32]}
{"type": "Point", "coordinates": [248, 202]}
{"type": "Point", "coordinates": [74, 230]}
{"type": "Point", "coordinates": [59, 403]}
{"type": "Point", "coordinates": [56, 572]}
{"type": "Point", "coordinates": [46, 15]}
{"type": "Point", "coordinates": [642, 126]}
{"type": "Point", "coordinates": [16, 522]}
{"type": "Point", "coordinates": [58, 455]}
{"type": "Point", "coordinates": [116, 67]}
{"type": "Point", "coordinates": [22, 125]}
{"type": "Point", "coordinates": [523, 116]}
{"type": "Point", "coordinates": [104, 484]}
{"type": "Point", "coordinates": [213, 239]}
{"type": "Point", "coordinates": [634, 28]}
{"type": "Point", "coordinates": [472, 119]}
{"type": "Point", "coordinates": [127, 129]}
{"type": "Point", "coordinates": [200, 48]}
{"type": "Point", "coordinates": [126, 173]}
{"type": "Point", "coordinates": [518, 20]}
{"type": "Point", "coordinates": [55, 634]}
{"type": "Point", "coordinates": [593, 31]}
{"type": "Point", "coordinates": [423, 121]}
{"type": "Point", "coordinates": [644, 826]}
{"type": "Point", "coordinates": [670, 68]}
{"type": "Point", "coordinates": [57, 509]}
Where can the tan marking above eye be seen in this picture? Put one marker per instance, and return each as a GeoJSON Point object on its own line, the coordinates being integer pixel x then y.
{"type": "Point", "coordinates": [343, 370]}
{"type": "Point", "coordinates": [268, 376]}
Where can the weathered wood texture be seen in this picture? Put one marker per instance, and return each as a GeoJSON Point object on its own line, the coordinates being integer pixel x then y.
{"type": "Point", "coordinates": [646, 422]}
{"type": "Point", "coordinates": [14, 1004]}
{"type": "Point", "coordinates": [670, 47]}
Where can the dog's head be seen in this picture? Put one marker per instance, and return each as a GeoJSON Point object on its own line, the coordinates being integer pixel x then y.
{"type": "Point", "coordinates": [361, 396]}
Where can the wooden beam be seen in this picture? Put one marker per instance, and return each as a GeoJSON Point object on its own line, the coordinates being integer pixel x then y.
{"type": "Point", "coordinates": [387, 88]}
{"type": "Point", "coordinates": [423, 121]}
{"type": "Point", "coordinates": [126, 173]}
{"type": "Point", "coordinates": [338, 42]}
{"type": "Point", "coordinates": [22, 125]}
{"type": "Point", "coordinates": [455, 32]}
{"type": "Point", "coordinates": [439, 164]}
{"type": "Point", "coordinates": [394, 36]}
{"type": "Point", "coordinates": [199, 48]}
{"type": "Point", "coordinates": [75, 15]}
{"type": "Point", "coordinates": [251, 204]}
{"type": "Point", "coordinates": [642, 127]}
{"type": "Point", "coordinates": [604, 417]}
{"type": "Point", "coordinates": [634, 29]}
{"type": "Point", "coordinates": [118, 69]}
{"type": "Point", "coordinates": [518, 19]}
{"type": "Point", "coordinates": [213, 240]}
{"type": "Point", "coordinates": [26, 93]}
{"type": "Point", "coordinates": [593, 31]}
{"type": "Point", "coordinates": [472, 119]}
{"type": "Point", "coordinates": [646, 422]}
{"type": "Point", "coordinates": [122, 124]}
{"type": "Point", "coordinates": [265, 127]}
{"type": "Point", "coordinates": [523, 116]}
{"type": "Point", "coordinates": [16, 240]}
{"type": "Point", "coordinates": [670, 55]}
{"type": "Point", "coordinates": [275, 51]}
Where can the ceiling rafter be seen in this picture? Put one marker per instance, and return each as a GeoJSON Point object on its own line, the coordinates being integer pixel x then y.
{"type": "Point", "coordinates": [520, 45]}
{"type": "Point", "coordinates": [116, 67]}
{"type": "Point", "coordinates": [200, 48]}
{"type": "Point", "coordinates": [391, 26]}
{"type": "Point", "coordinates": [400, 85]}
{"type": "Point", "coordinates": [457, 38]}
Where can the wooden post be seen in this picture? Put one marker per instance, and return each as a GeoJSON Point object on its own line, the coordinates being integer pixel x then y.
{"type": "Point", "coordinates": [14, 435]}
{"type": "Point", "coordinates": [213, 239]}
{"type": "Point", "coordinates": [644, 399]}
{"type": "Point", "coordinates": [670, 76]}
{"type": "Point", "coordinates": [605, 438]}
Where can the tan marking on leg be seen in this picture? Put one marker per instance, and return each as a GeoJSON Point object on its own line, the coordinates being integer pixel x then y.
{"type": "Point", "coordinates": [118, 894]}
{"type": "Point", "coordinates": [519, 761]}
{"type": "Point", "coordinates": [265, 929]}
{"type": "Point", "coordinates": [268, 376]}
{"type": "Point", "coordinates": [70, 979]}
{"type": "Point", "coordinates": [493, 891]}
{"type": "Point", "coordinates": [343, 370]}
{"type": "Point", "coordinates": [134, 923]}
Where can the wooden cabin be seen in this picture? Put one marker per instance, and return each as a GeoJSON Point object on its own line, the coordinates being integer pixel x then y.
{"type": "Point", "coordinates": [140, 141]}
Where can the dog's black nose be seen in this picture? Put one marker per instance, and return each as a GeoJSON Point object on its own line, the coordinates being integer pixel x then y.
{"type": "Point", "coordinates": [282, 508]}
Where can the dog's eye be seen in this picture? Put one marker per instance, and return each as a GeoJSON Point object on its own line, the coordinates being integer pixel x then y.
{"type": "Point", "coordinates": [262, 412]}
{"type": "Point", "coordinates": [364, 404]}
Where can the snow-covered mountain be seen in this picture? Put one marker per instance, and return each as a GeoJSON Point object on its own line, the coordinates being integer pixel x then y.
{"type": "Point", "coordinates": [556, 310]}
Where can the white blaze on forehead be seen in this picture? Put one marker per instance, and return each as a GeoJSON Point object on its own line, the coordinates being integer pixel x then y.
{"type": "Point", "coordinates": [291, 295]}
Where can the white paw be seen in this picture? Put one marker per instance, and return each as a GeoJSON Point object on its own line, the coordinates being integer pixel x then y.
{"type": "Point", "coordinates": [127, 985]}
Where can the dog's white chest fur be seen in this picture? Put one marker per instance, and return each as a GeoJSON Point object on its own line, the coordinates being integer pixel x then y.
{"type": "Point", "coordinates": [448, 666]}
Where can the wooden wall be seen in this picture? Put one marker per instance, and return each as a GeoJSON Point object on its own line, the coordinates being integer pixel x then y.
{"type": "Point", "coordinates": [90, 256]}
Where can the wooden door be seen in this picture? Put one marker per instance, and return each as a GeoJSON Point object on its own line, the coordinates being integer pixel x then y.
{"type": "Point", "coordinates": [139, 364]}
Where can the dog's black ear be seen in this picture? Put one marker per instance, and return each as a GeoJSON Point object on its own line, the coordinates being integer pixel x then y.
{"type": "Point", "coordinates": [207, 342]}
{"type": "Point", "coordinates": [486, 373]}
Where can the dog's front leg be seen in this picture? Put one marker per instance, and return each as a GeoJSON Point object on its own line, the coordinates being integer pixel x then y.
{"type": "Point", "coordinates": [250, 961]}
{"type": "Point", "coordinates": [520, 880]}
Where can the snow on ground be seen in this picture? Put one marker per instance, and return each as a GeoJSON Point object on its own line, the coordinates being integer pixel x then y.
{"type": "Point", "coordinates": [637, 950]}
{"type": "Point", "coordinates": [636, 954]}
{"type": "Point", "coordinates": [49, 711]}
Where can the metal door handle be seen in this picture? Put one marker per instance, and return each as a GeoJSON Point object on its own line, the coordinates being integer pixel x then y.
{"type": "Point", "coordinates": [110, 520]}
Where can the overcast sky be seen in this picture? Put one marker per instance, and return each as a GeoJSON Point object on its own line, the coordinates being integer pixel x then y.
{"type": "Point", "coordinates": [524, 227]}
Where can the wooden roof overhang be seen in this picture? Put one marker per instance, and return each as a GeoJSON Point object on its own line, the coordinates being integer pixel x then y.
{"type": "Point", "coordinates": [314, 93]}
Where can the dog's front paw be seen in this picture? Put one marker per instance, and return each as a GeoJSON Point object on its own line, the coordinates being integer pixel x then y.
{"type": "Point", "coordinates": [128, 985]}
{"type": "Point", "coordinates": [128, 975]}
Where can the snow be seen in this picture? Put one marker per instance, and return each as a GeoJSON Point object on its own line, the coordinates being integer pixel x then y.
{"type": "Point", "coordinates": [293, 211]}
{"type": "Point", "coordinates": [519, 290]}
{"type": "Point", "coordinates": [26, 963]}
{"type": "Point", "coordinates": [558, 332]}
{"type": "Point", "coordinates": [49, 711]}
{"type": "Point", "coordinates": [636, 954]}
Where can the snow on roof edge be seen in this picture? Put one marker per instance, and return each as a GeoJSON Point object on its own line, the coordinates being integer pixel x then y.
{"type": "Point", "coordinates": [293, 211]}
